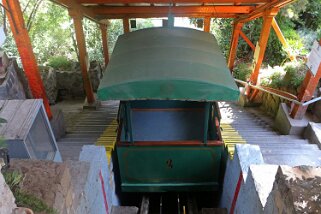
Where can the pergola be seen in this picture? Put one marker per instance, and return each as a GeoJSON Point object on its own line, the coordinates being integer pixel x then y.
{"type": "Point", "coordinates": [100, 11]}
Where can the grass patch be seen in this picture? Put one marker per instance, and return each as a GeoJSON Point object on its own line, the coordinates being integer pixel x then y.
{"type": "Point", "coordinates": [14, 179]}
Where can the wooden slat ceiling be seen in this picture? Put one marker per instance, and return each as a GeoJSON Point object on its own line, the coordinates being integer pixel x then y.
{"type": "Point", "coordinates": [99, 10]}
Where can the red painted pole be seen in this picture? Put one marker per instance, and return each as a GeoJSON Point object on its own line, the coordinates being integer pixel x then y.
{"type": "Point", "coordinates": [307, 89]}
{"type": "Point", "coordinates": [27, 56]}
{"type": "Point", "coordinates": [83, 57]}
{"type": "Point", "coordinates": [104, 38]}
{"type": "Point", "coordinates": [234, 42]}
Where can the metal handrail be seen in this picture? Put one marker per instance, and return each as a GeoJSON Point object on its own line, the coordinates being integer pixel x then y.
{"type": "Point", "coordinates": [278, 95]}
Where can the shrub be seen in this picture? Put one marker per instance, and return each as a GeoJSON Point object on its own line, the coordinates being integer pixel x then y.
{"type": "Point", "coordinates": [242, 71]}
{"type": "Point", "coordinates": [295, 74]}
{"type": "Point", "coordinates": [59, 62]}
{"type": "Point", "coordinates": [276, 80]}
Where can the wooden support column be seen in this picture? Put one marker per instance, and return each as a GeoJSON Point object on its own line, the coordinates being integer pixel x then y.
{"type": "Point", "coordinates": [104, 38]}
{"type": "Point", "coordinates": [27, 56]}
{"type": "Point", "coordinates": [234, 42]}
{"type": "Point", "coordinates": [207, 24]}
{"type": "Point", "coordinates": [83, 57]}
{"type": "Point", "coordinates": [282, 38]}
{"type": "Point", "coordinates": [264, 36]}
{"type": "Point", "coordinates": [126, 25]}
{"type": "Point", "coordinates": [307, 89]}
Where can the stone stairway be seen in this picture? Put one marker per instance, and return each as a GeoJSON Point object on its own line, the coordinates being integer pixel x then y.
{"type": "Point", "coordinates": [257, 128]}
{"type": "Point", "coordinates": [84, 127]}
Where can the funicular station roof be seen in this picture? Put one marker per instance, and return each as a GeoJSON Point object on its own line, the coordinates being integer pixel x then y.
{"type": "Point", "coordinates": [115, 9]}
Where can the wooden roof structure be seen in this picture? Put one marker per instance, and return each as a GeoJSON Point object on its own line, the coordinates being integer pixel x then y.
{"type": "Point", "coordinates": [243, 10]}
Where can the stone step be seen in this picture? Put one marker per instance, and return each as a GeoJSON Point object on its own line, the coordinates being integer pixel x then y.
{"type": "Point", "coordinates": [283, 146]}
{"type": "Point", "coordinates": [298, 152]}
{"type": "Point", "coordinates": [277, 141]}
{"type": "Point", "coordinates": [291, 160]}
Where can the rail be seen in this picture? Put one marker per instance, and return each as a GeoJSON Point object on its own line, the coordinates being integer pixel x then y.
{"type": "Point", "coordinates": [278, 95]}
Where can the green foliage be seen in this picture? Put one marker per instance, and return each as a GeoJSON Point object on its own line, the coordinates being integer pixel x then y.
{"type": "Point", "coordinates": [14, 179]}
{"type": "Point", "coordinates": [59, 62]}
{"type": "Point", "coordinates": [115, 29]}
{"type": "Point", "coordinates": [27, 200]}
{"type": "Point", "coordinates": [289, 77]}
{"type": "Point", "coordinates": [276, 80]}
{"type": "Point", "coordinates": [295, 74]}
{"type": "Point", "coordinates": [242, 71]}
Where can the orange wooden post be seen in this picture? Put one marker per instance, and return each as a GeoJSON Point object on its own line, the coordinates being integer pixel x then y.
{"type": "Point", "coordinates": [126, 25]}
{"type": "Point", "coordinates": [282, 38]}
{"type": "Point", "coordinates": [104, 38]}
{"type": "Point", "coordinates": [207, 24]}
{"type": "Point", "coordinates": [307, 89]}
{"type": "Point", "coordinates": [234, 42]}
{"type": "Point", "coordinates": [83, 57]}
{"type": "Point", "coordinates": [264, 36]}
{"type": "Point", "coordinates": [27, 56]}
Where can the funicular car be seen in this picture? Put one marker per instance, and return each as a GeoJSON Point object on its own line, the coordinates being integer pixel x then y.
{"type": "Point", "coordinates": [168, 81]}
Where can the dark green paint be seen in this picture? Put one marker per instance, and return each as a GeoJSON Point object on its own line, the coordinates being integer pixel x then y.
{"type": "Point", "coordinates": [167, 64]}
{"type": "Point", "coordinates": [169, 168]}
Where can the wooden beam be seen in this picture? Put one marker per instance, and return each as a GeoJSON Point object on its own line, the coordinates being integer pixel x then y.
{"type": "Point", "coordinates": [306, 92]}
{"type": "Point", "coordinates": [74, 5]}
{"type": "Point", "coordinates": [207, 24]}
{"type": "Point", "coordinates": [27, 56]}
{"type": "Point", "coordinates": [104, 38]}
{"type": "Point", "coordinates": [264, 36]}
{"type": "Point", "coordinates": [126, 25]}
{"type": "Point", "coordinates": [260, 10]}
{"type": "Point", "coordinates": [112, 10]}
{"type": "Point", "coordinates": [83, 57]}
{"type": "Point", "coordinates": [169, 1]}
{"type": "Point", "coordinates": [247, 40]}
{"type": "Point", "coordinates": [161, 15]}
{"type": "Point", "coordinates": [282, 38]}
{"type": "Point", "coordinates": [237, 27]}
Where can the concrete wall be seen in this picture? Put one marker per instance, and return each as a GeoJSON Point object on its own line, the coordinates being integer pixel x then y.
{"type": "Point", "coordinates": [250, 186]}
{"type": "Point", "coordinates": [7, 200]}
{"type": "Point", "coordinates": [102, 173]}
{"type": "Point", "coordinates": [236, 173]}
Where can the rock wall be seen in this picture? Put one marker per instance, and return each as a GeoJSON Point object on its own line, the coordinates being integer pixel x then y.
{"type": "Point", "coordinates": [48, 76]}
{"type": "Point", "coordinates": [11, 87]}
{"type": "Point", "coordinates": [7, 200]}
{"type": "Point", "coordinates": [70, 84]}
{"type": "Point", "coordinates": [296, 190]}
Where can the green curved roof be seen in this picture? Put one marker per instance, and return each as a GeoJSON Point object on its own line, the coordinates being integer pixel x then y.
{"type": "Point", "coordinates": [167, 63]}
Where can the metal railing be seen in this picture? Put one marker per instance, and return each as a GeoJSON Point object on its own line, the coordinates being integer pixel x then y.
{"type": "Point", "coordinates": [278, 95]}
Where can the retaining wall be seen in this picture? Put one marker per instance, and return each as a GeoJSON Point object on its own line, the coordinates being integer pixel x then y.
{"type": "Point", "coordinates": [250, 186]}
{"type": "Point", "coordinates": [85, 186]}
